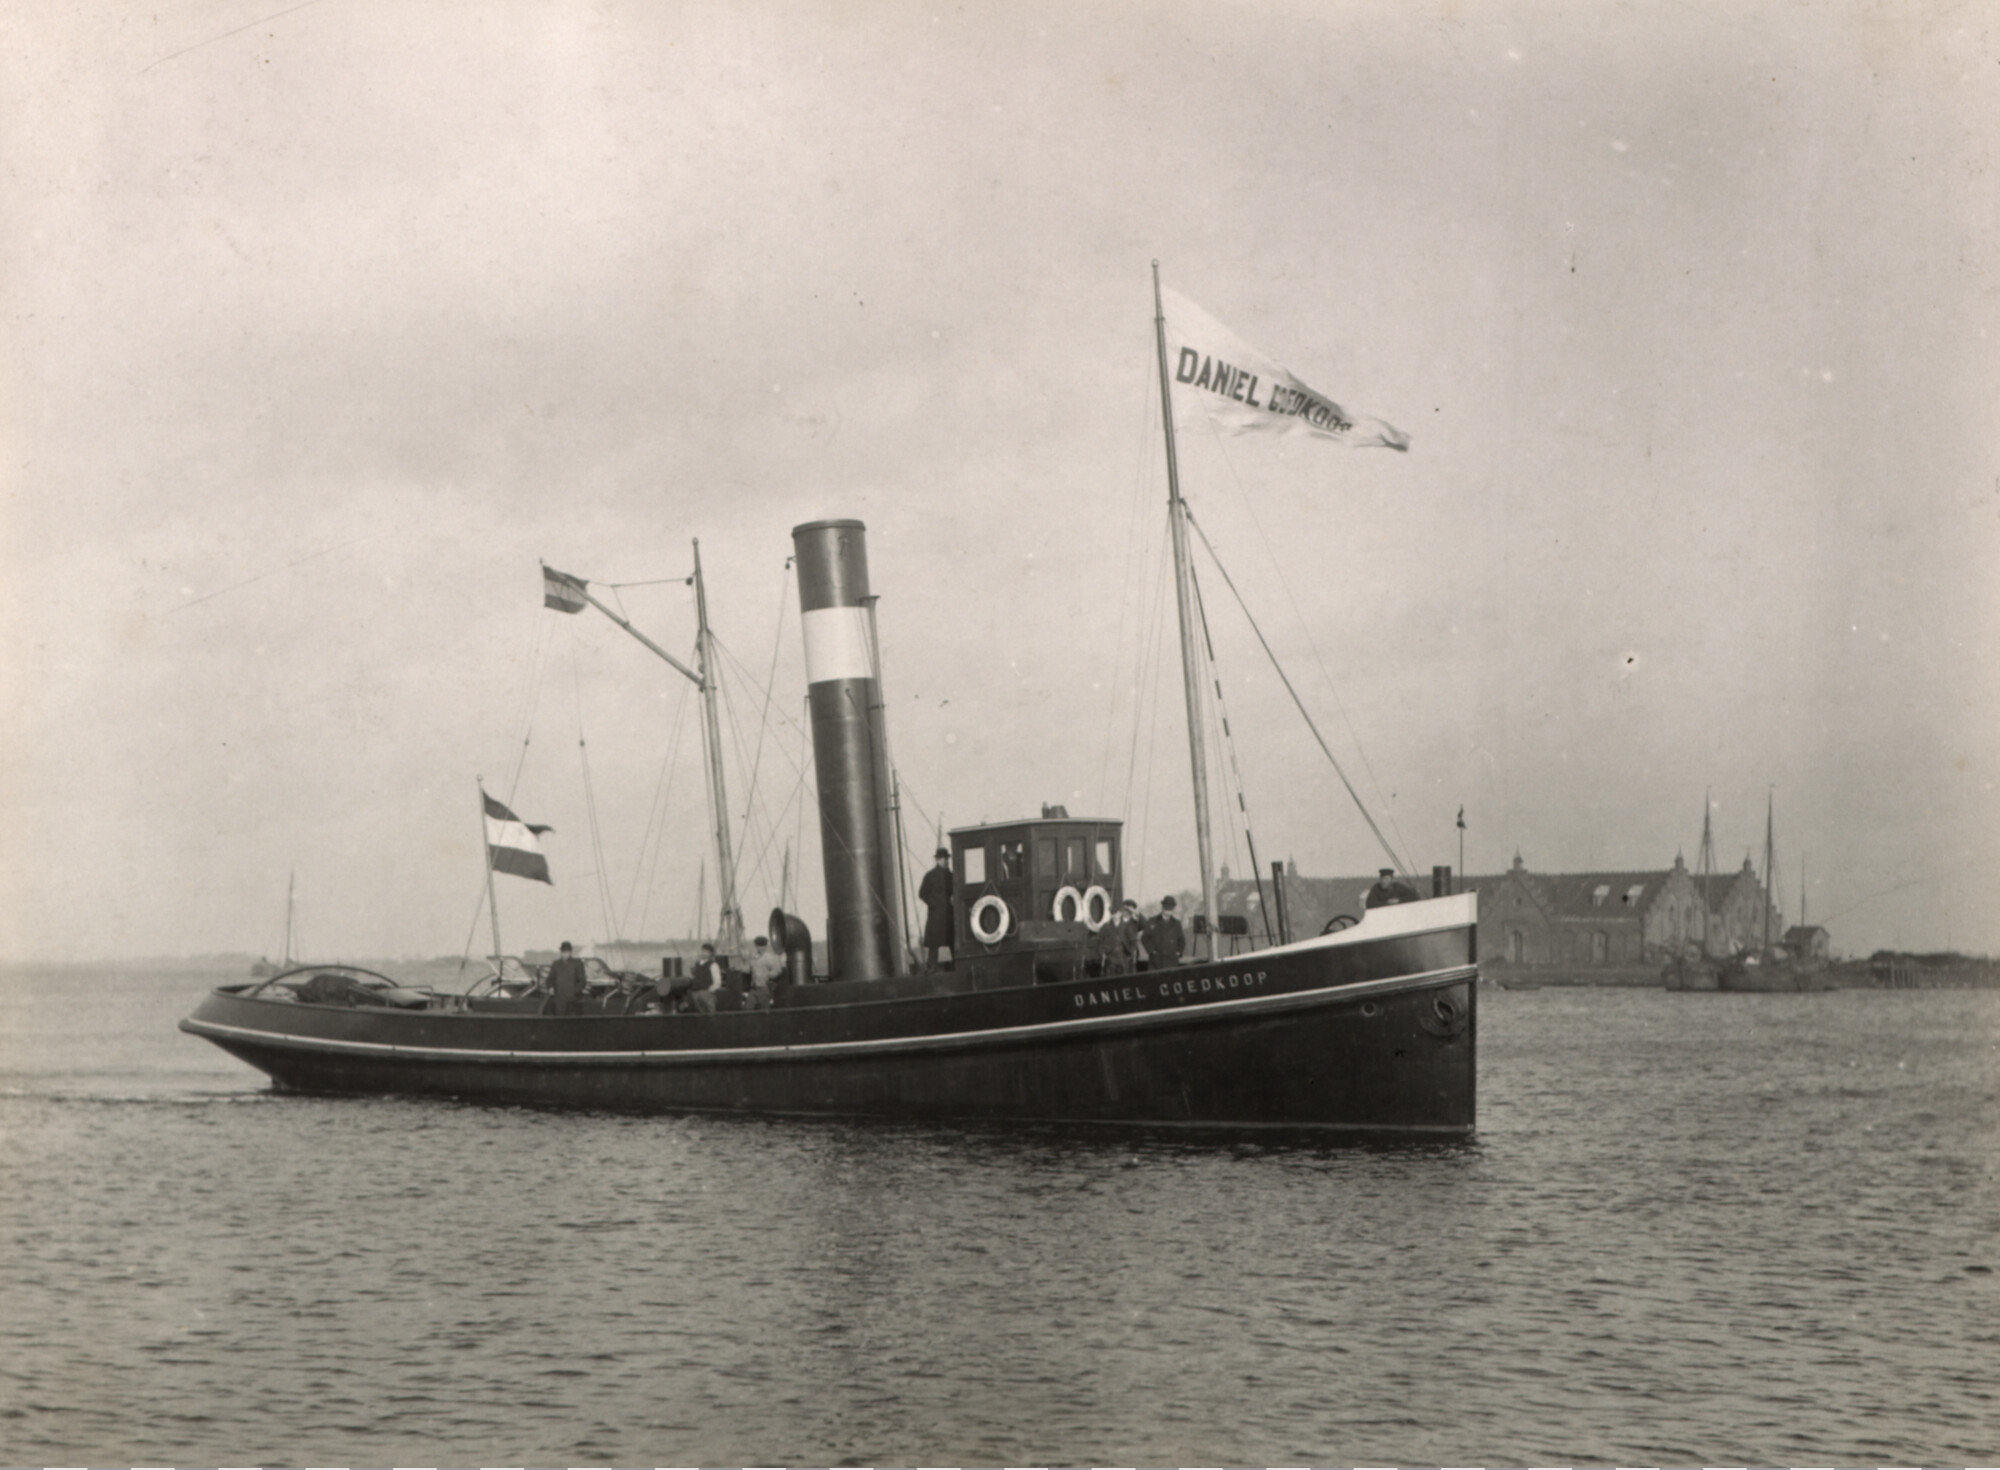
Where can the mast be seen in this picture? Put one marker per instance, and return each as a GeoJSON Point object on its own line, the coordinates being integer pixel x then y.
{"type": "Point", "coordinates": [730, 933]}
{"type": "Point", "coordinates": [888, 789]}
{"type": "Point", "coordinates": [291, 885]}
{"type": "Point", "coordinates": [1769, 801]}
{"type": "Point", "coordinates": [1707, 865]}
{"type": "Point", "coordinates": [902, 868]}
{"type": "Point", "coordinates": [729, 936]}
{"type": "Point", "coordinates": [1184, 599]}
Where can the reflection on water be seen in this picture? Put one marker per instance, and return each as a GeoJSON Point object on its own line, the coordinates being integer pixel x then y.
{"type": "Point", "coordinates": [1737, 1229]}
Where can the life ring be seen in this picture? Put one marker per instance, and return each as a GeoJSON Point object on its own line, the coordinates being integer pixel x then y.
{"type": "Point", "coordinates": [1096, 895]}
{"type": "Point", "coordinates": [995, 904]}
{"type": "Point", "coordinates": [1067, 891]}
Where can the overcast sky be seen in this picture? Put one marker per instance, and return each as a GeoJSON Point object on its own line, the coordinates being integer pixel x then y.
{"type": "Point", "coordinates": [325, 323]}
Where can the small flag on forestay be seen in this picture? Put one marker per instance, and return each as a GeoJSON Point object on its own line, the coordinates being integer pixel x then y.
{"type": "Point", "coordinates": [561, 591]}
{"type": "Point", "coordinates": [512, 845]}
{"type": "Point", "coordinates": [1244, 392]}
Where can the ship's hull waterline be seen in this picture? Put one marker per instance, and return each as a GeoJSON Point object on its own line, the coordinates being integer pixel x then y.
{"type": "Point", "coordinates": [1373, 1028]}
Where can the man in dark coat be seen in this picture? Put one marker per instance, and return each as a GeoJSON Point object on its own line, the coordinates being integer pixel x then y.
{"type": "Point", "coordinates": [935, 891]}
{"type": "Point", "coordinates": [1166, 941]}
{"type": "Point", "coordinates": [1390, 889]}
{"type": "Point", "coordinates": [1126, 948]}
{"type": "Point", "coordinates": [566, 979]}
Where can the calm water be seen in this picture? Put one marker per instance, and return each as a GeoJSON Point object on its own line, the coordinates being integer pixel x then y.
{"type": "Point", "coordinates": [1692, 1229]}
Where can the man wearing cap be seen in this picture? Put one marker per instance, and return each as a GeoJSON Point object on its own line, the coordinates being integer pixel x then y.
{"type": "Point", "coordinates": [935, 891]}
{"type": "Point", "coordinates": [1127, 952]}
{"type": "Point", "coordinates": [1166, 941]}
{"type": "Point", "coordinates": [566, 979]}
{"type": "Point", "coordinates": [1390, 889]}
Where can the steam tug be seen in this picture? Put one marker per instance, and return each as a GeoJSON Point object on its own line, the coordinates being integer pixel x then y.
{"type": "Point", "coordinates": [1371, 1027]}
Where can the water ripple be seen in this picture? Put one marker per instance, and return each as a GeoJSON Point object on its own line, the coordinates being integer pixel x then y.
{"type": "Point", "coordinates": [1722, 1229]}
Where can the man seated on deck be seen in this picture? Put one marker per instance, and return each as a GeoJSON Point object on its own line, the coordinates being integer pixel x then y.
{"type": "Point", "coordinates": [707, 981]}
{"type": "Point", "coordinates": [1390, 889]}
{"type": "Point", "coordinates": [765, 970]}
{"type": "Point", "coordinates": [566, 979]}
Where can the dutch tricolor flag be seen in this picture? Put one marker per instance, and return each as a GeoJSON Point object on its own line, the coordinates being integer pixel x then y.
{"type": "Point", "coordinates": [512, 846]}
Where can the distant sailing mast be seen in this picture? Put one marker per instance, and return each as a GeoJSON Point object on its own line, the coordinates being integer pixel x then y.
{"type": "Point", "coordinates": [1184, 600]}
{"type": "Point", "coordinates": [1706, 865]}
{"type": "Point", "coordinates": [1767, 898]}
{"type": "Point", "coordinates": [568, 594]}
{"type": "Point", "coordinates": [291, 886]}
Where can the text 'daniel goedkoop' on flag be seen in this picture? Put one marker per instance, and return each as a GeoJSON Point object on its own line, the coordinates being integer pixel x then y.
{"type": "Point", "coordinates": [1245, 392]}
{"type": "Point", "coordinates": [561, 591]}
{"type": "Point", "coordinates": [514, 846]}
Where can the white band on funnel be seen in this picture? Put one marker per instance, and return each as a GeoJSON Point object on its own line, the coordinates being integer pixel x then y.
{"type": "Point", "coordinates": [837, 644]}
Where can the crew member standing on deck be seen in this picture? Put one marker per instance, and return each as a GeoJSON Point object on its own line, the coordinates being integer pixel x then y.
{"type": "Point", "coordinates": [1166, 941]}
{"type": "Point", "coordinates": [935, 891]}
{"type": "Point", "coordinates": [1128, 950]}
{"type": "Point", "coordinates": [566, 979]}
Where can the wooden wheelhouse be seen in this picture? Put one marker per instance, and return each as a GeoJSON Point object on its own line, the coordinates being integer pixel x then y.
{"type": "Point", "coordinates": [1028, 895]}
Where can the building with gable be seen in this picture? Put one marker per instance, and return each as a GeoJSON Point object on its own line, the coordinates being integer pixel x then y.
{"type": "Point", "coordinates": [1573, 920]}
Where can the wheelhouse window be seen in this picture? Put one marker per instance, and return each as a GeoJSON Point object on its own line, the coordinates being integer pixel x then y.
{"type": "Point", "coordinates": [1106, 858]}
{"type": "Point", "coordinates": [973, 860]}
{"type": "Point", "coordinates": [1010, 861]}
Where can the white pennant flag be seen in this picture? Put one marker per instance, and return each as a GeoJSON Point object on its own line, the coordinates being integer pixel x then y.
{"type": "Point", "coordinates": [1244, 392]}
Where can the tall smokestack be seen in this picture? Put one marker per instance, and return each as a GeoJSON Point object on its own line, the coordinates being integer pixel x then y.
{"type": "Point", "coordinates": [856, 838]}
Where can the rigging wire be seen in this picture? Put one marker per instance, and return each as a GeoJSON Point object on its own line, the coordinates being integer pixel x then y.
{"type": "Point", "coordinates": [771, 678]}
{"type": "Point", "coordinates": [590, 809]}
{"type": "Point", "coordinates": [1141, 479]}
{"type": "Point", "coordinates": [645, 872]}
{"type": "Point", "coordinates": [750, 846]}
{"type": "Point", "coordinates": [910, 796]}
{"type": "Point", "coordinates": [1305, 627]}
{"type": "Point", "coordinates": [540, 645]}
{"type": "Point", "coordinates": [774, 830]}
{"type": "Point", "coordinates": [539, 653]}
{"type": "Point", "coordinates": [805, 766]}
{"type": "Point", "coordinates": [1228, 743]}
{"type": "Point", "coordinates": [1144, 716]}
{"type": "Point", "coordinates": [658, 582]}
{"type": "Point", "coordinates": [750, 795]}
{"type": "Point", "coordinates": [1359, 805]}
{"type": "Point", "coordinates": [757, 685]}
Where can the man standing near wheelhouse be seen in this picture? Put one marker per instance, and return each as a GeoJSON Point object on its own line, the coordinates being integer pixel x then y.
{"type": "Point", "coordinates": [935, 891]}
{"type": "Point", "coordinates": [566, 979]}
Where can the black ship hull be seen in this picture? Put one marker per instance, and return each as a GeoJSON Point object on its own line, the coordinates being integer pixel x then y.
{"type": "Point", "coordinates": [1373, 1028]}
